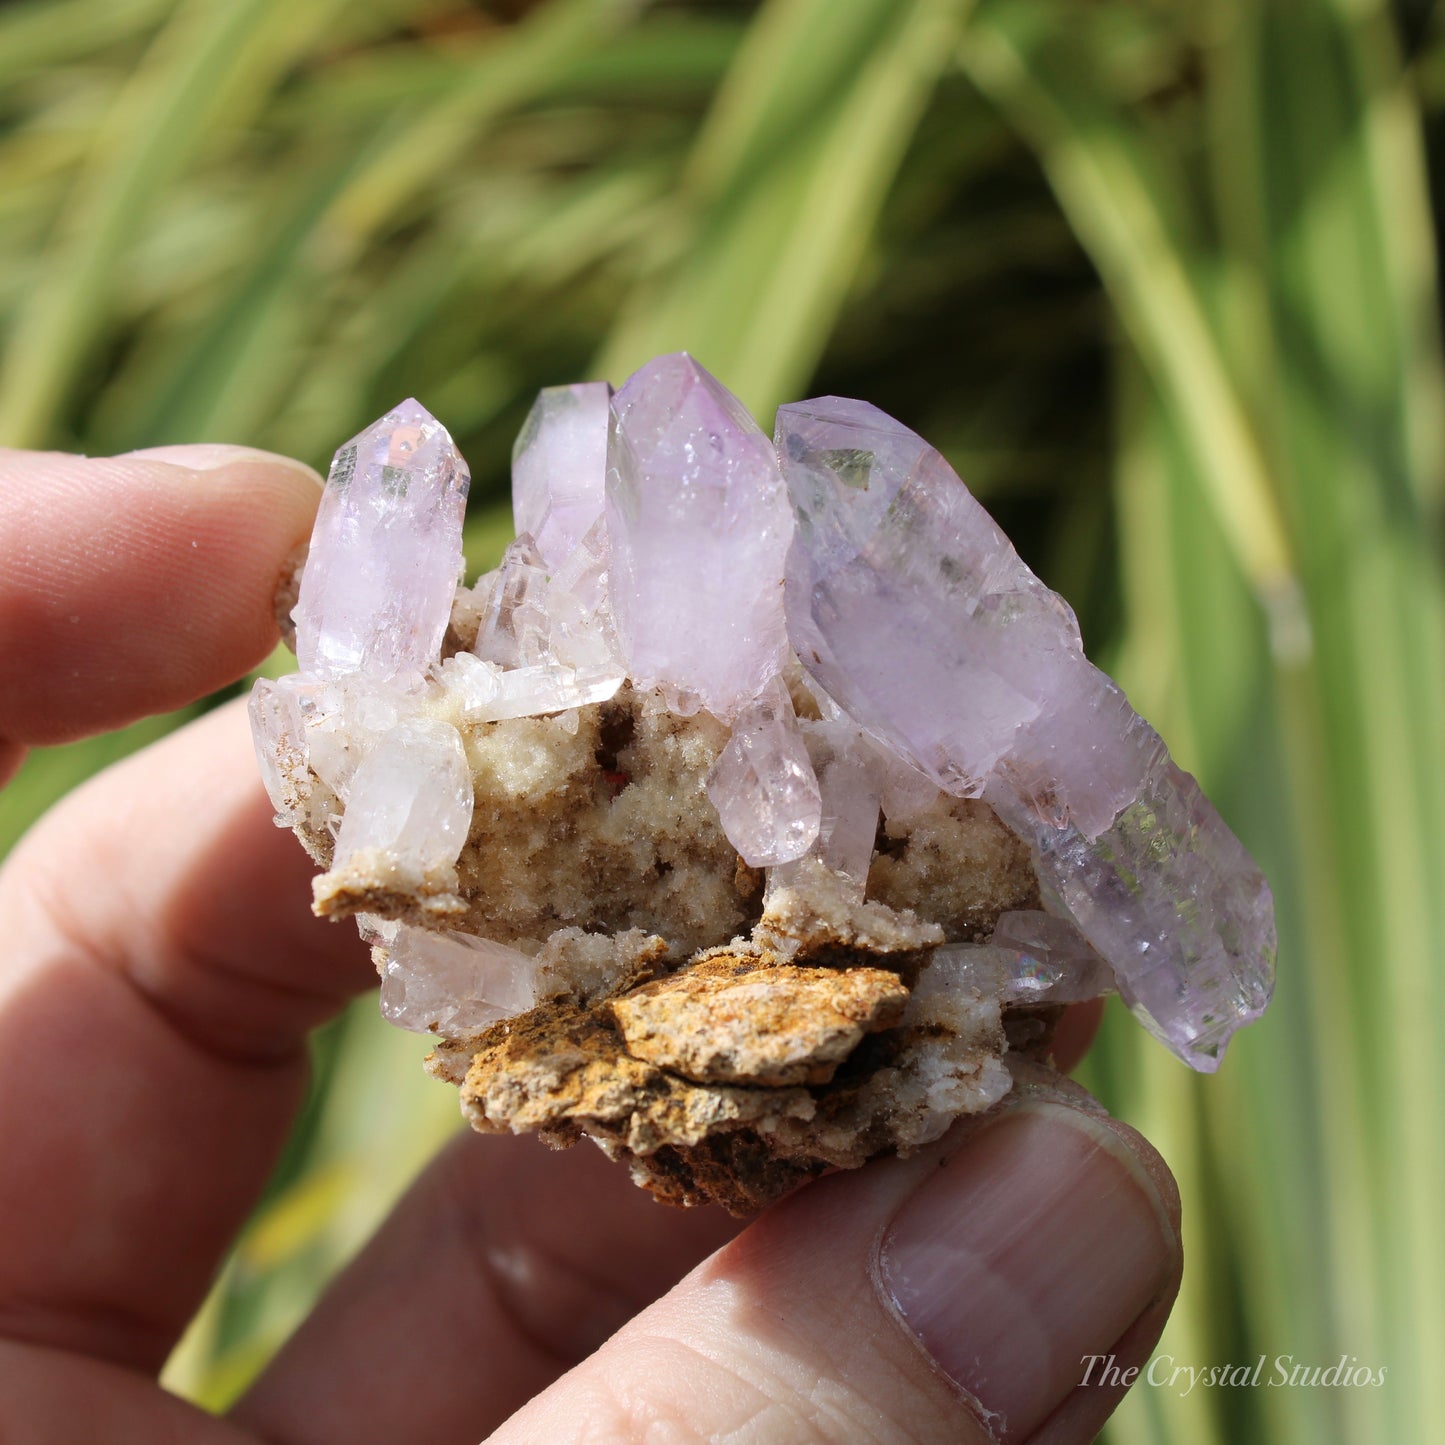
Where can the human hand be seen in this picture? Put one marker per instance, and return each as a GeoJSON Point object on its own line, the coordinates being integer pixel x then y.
{"type": "Point", "coordinates": [161, 970]}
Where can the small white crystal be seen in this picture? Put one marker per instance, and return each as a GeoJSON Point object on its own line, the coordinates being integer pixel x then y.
{"type": "Point", "coordinates": [549, 631]}
{"type": "Point", "coordinates": [278, 735]}
{"type": "Point", "coordinates": [410, 801]}
{"type": "Point", "coordinates": [763, 785]}
{"type": "Point", "coordinates": [513, 632]}
{"type": "Point", "coordinates": [343, 719]}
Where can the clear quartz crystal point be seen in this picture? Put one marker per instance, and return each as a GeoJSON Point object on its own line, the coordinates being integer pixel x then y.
{"type": "Point", "coordinates": [386, 552]}
{"type": "Point", "coordinates": [909, 606]}
{"type": "Point", "coordinates": [446, 982]}
{"type": "Point", "coordinates": [698, 521]}
{"type": "Point", "coordinates": [850, 780]}
{"type": "Point", "coordinates": [559, 467]}
{"type": "Point", "coordinates": [763, 785]}
{"type": "Point", "coordinates": [279, 736]}
{"type": "Point", "coordinates": [1032, 957]}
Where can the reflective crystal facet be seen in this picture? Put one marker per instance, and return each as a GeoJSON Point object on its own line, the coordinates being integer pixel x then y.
{"type": "Point", "coordinates": [1053, 957]}
{"type": "Point", "coordinates": [386, 552]}
{"type": "Point", "coordinates": [698, 520]}
{"type": "Point", "coordinates": [1031, 958]}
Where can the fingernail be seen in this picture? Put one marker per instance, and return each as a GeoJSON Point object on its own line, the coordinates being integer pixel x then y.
{"type": "Point", "coordinates": [211, 456]}
{"type": "Point", "coordinates": [1036, 1244]}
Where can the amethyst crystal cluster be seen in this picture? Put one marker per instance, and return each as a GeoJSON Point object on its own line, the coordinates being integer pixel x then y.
{"type": "Point", "coordinates": [665, 542]}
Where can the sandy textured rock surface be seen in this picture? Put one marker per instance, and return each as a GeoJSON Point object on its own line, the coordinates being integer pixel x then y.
{"type": "Point", "coordinates": [732, 1076]}
{"type": "Point", "coordinates": [727, 1021]}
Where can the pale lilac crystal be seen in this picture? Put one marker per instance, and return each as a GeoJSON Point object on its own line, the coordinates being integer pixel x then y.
{"type": "Point", "coordinates": [763, 785]}
{"type": "Point", "coordinates": [559, 465]}
{"type": "Point", "coordinates": [446, 982]}
{"type": "Point", "coordinates": [909, 606]}
{"type": "Point", "coordinates": [1170, 897]}
{"type": "Point", "coordinates": [912, 609]}
{"type": "Point", "coordinates": [410, 801]}
{"type": "Point", "coordinates": [386, 552]}
{"type": "Point", "coordinates": [698, 521]}
{"type": "Point", "coordinates": [905, 791]}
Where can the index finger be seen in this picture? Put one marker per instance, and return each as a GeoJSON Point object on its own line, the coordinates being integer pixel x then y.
{"type": "Point", "coordinates": [136, 584]}
{"type": "Point", "coordinates": [160, 967]}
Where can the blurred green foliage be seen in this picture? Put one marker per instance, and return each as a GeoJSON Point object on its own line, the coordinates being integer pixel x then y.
{"type": "Point", "coordinates": [1159, 275]}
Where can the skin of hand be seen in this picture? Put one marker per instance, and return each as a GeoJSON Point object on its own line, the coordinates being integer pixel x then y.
{"type": "Point", "coordinates": [160, 971]}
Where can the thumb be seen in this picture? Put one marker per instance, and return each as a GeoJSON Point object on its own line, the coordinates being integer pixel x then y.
{"type": "Point", "coordinates": [956, 1296]}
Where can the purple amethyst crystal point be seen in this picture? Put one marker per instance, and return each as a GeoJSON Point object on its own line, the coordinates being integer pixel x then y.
{"type": "Point", "coordinates": [386, 552]}
{"type": "Point", "coordinates": [698, 521]}
{"type": "Point", "coordinates": [1172, 900]}
{"type": "Point", "coordinates": [909, 606]}
{"type": "Point", "coordinates": [891, 553]}
{"type": "Point", "coordinates": [559, 466]}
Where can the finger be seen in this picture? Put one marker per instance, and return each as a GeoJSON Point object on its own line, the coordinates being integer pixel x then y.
{"type": "Point", "coordinates": [1076, 1032]}
{"type": "Point", "coordinates": [550, 1254]}
{"type": "Point", "coordinates": [135, 584]}
{"type": "Point", "coordinates": [11, 756]}
{"type": "Point", "coordinates": [49, 1396]}
{"type": "Point", "coordinates": [505, 1265]}
{"type": "Point", "coordinates": [950, 1297]}
{"type": "Point", "coordinates": [160, 971]}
